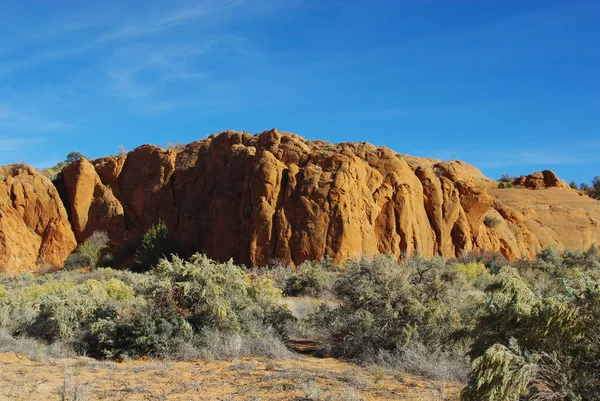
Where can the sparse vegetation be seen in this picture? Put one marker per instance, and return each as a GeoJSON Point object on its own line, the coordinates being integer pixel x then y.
{"type": "Point", "coordinates": [183, 308]}
{"type": "Point", "coordinates": [53, 172]}
{"type": "Point", "coordinates": [310, 279]}
{"type": "Point", "coordinates": [593, 191]}
{"type": "Point", "coordinates": [491, 221]}
{"type": "Point", "coordinates": [177, 146]}
{"type": "Point", "coordinates": [156, 243]}
{"type": "Point", "coordinates": [529, 329]}
{"type": "Point", "coordinates": [395, 308]}
{"type": "Point", "coordinates": [89, 253]}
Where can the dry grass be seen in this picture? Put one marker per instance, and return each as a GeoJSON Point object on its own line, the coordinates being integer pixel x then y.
{"type": "Point", "coordinates": [295, 378]}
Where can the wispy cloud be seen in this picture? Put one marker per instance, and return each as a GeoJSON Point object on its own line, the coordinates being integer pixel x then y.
{"type": "Point", "coordinates": [89, 33]}
{"type": "Point", "coordinates": [159, 21]}
{"type": "Point", "coordinates": [558, 154]}
{"type": "Point", "coordinates": [13, 120]}
{"type": "Point", "coordinates": [9, 145]}
{"type": "Point", "coordinates": [142, 58]}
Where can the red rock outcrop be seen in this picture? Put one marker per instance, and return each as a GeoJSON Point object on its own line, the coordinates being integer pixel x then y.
{"type": "Point", "coordinates": [34, 228]}
{"type": "Point", "coordinates": [92, 205]}
{"type": "Point", "coordinates": [255, 198]}
{"type": "Point", "coordinates": [540, 180]}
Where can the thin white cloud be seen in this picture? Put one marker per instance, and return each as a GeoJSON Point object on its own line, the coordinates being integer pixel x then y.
{"type": "Point", "coordinates": [135, 59]}
{"type": "Point", "coordinates": [14, 120]}
{"type": "Point", "coordinates": [159, 22]}
{"type": "Point", "coordinates": [567, 154]}
{"type": "Point", "coordinates": [9, 145]}
{"type": "Point", "coordinates": [103, 31]}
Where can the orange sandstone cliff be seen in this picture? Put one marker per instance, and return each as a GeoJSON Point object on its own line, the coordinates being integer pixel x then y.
{"type": "Point", "coordinates": [34, 228]}
{"type": "Point", "coordinates": [255, 198]}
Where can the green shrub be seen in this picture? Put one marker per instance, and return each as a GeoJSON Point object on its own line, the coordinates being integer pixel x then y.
{"type": "Point", "coordinates": [388, 306]}
{"type": "Point", "coordinates": [156, 243]}
{"type": "Point", "coordinates": [474, 273]}
{"type": "Point", "coordinates": [117, 314]}
{"type": "Point", "coordinates": [89, 253]}
{"type": "Point", "coordinates": [491, 221]}
{"type": "Point", "coordinates": [310, 279]}
{"type": "Point", "coordinates": [277, 271]}
{"type": "Point", "coordinates": [217, 295]}
{"type": "Point", "coordinates": [65, 309]}
{"type": "Point", "coordinates": [530, 347]}
{"type": "Point", "coordinates": [134, 332]}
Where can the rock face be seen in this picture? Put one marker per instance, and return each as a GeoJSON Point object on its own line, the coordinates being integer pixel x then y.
{"type": "Point", "coordinates": [540, 180]}
{"type": "Point", "coordinates": [255, 198]}
{"type": "Point", "coordinates": [34, 228]}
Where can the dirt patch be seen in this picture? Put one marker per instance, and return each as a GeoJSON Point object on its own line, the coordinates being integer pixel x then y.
{"type": "Point", "coordinates": [298, 378]}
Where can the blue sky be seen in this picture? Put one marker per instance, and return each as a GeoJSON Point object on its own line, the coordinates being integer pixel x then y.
{"type": "Point", "coordinates": [509, 86]}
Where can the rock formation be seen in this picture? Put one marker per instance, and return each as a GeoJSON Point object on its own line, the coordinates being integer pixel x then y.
{"type": "Point", "coordinates": [255, 198]}
{"type": "Point", "coordinates": [34, 228]}
{"type": "Point", "coordinates": [539, 180]}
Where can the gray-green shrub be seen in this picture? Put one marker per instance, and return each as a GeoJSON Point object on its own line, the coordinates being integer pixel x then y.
{"type": "Point", "coordinates": [117, 314]}
{"type": "Point", "coordinates": [310, 279]}
{"type": "Point", "coordinates": [88, 253]}
{"type": "Point", "coordinates": [386, 306]}
{"type": "Point", "coordinates": [532, 346]}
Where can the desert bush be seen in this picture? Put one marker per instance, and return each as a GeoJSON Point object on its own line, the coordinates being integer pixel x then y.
{"type": "Point", "coordinates": [491, 221]}
{"type": "Point", "coordinates": [77, 261]}
{"type": "Point", "coordinates": [474, 273]}
{"type": "Point", "coordinates": [89, 253]}
{"type": "Point", "coordinates": [493, 261]}
{"type": "Point", "coordinates": [136, 331]}
{"type": "Point", "coordinates": [592, 191]}
{"type": "Point", "coordinates": [156, 243]}
{"type": "Point", "coordinates": [260, 341]}
{"type": "Point", "coordinates": [69, 309]}
{"type": "Point", "coordinates": [435, 363]}
{"type": "Point", "coordinates": [277, 271]}
{"type": "Point", "coordinates": [310, 279]}
{"type": "Point", "coordinates": [532, 347]}
{"type": "Point", "coordinates": [546, 271]}
{"type": "Point", "coordinates": [72, 389]}
{"type": "Point", "coordinates": [588, 261]}
{"type": "Point", "coordinates": [217, 295]}
{"type": "Point", "coordinates": [388, 306]}
{"type": "Point", "coordinates": [120, 314]}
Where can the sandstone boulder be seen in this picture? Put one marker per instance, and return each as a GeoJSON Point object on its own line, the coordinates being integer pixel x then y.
{"type": "Point", "coordinates": [540, 180]}
{"type": "Point", "coordinates": [34, 227]}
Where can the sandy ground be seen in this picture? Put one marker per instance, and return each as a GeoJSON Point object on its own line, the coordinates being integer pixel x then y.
{"type": "Point", "coordinates": [298, 378]}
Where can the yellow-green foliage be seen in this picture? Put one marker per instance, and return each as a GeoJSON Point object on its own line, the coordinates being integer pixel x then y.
{"type": "Point", "coordinates": [309, 279]}
{"type": "Point", "coordinates": [499, 374]}
{"type": "Point", "coordinates": [3, 292]}
{"type": "Point", "coordinates": [215, 294]}
{"type": "Point", "coordinates": [56, 309]}
{"type": "Point", "coordinates": [263, 291]}
{"type": "Point", "coordinates": [388, 306]}
{"type": "Point", "coordinates": [475, 273]}
{"type": "Point", "coordinates": [538, 346]}
{"type": "Point", "coordinates": [109, 313]}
